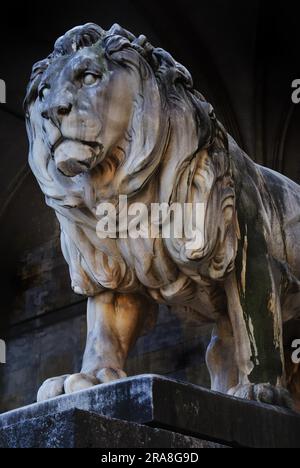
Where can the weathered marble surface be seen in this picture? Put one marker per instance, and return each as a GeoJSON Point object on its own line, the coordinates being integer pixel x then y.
{"type": "Point", "coordinates": [178, 407]}
{"type": "Point", "coordinates": [108, 114]}
{"type": "Point", "coordinates": [83, 429]}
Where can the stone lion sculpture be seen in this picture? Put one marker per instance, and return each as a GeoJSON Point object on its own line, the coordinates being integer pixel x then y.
{"type": "Point", "coordinates": [107, 115]}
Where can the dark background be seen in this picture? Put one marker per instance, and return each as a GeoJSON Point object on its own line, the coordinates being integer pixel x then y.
{"type": "Point", "coordinates": [243, 56]}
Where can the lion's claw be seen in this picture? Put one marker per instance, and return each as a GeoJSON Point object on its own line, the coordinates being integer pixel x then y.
{"type": "Point", "coordinates": [52, 388]}
{"type": "Point", "coordinates": [78, 382]}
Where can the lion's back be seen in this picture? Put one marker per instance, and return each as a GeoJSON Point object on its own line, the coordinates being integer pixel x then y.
{"type": "Point", "coordinates": [285, 198]}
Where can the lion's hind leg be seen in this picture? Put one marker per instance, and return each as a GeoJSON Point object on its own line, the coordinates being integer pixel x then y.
{"type": "Point", "coordinates": [256, 321]}
{"type": "Point", "coordinates": [257, 329]}
{"type": "Point", "coordinates": [220, 357]}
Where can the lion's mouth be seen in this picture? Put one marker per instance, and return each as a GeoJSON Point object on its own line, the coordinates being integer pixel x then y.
{"type": "Point", "coordinates": [74, 157]}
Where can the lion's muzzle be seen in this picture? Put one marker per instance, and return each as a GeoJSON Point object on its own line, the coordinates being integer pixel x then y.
{"type": "Point", "coordinates": [75, 157]}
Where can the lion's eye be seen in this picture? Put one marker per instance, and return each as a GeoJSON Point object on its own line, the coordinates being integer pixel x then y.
{"type": "Point", "coordinates": [89, 79]}
{"type": "Point", "coordinates": [44, 93]}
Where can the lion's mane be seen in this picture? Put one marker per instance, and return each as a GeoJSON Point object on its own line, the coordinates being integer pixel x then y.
{"type": "Point", "coordinates": [190, 151]}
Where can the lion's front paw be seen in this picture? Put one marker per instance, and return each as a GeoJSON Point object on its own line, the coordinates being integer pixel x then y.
{"type": "Point", "coordinates": [263, 393]}
{"type": "Point", "coordinates": [77, 382]}
{"type": "Point", "coordinates": [67, 384]}
{"type": "Point", "coordinates": [52, 388]}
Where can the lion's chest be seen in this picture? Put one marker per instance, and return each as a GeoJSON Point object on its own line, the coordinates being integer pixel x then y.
{"type": "Point", "coordinates": [135, 266]}
{"type": "Point", "coordinates": [158, 273]}
{"type": "Point", "coordinates": [148, 261]}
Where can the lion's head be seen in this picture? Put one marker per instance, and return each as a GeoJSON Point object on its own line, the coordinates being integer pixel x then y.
{"type": "Point", "coordinates": [106, 112]}
{"type": "Point", "coordinates": [107, 101]}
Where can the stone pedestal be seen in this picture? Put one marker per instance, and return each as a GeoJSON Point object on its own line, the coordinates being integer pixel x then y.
{"type": "Point", "coordinates": [149, 412]}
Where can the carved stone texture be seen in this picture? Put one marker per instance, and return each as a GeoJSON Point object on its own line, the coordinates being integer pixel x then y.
{"type": "Point", "coordinates": [109, 115]}
{"type": "Point", "coordinates": [81, 429]}
{"type": "Point", "coordinates": [162, 404]}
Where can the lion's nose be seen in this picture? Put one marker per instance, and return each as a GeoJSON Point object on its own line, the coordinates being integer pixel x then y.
{"type": "Point", "coordinates": [64, 109]}
{"type": "Point", "coordinates": [57, 112]}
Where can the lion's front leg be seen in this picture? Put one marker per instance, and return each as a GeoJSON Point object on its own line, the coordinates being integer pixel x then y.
{"type": "Point", "coordinates": [114, 322]}
{"type": "Point", "coordinates": [256, 321]}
